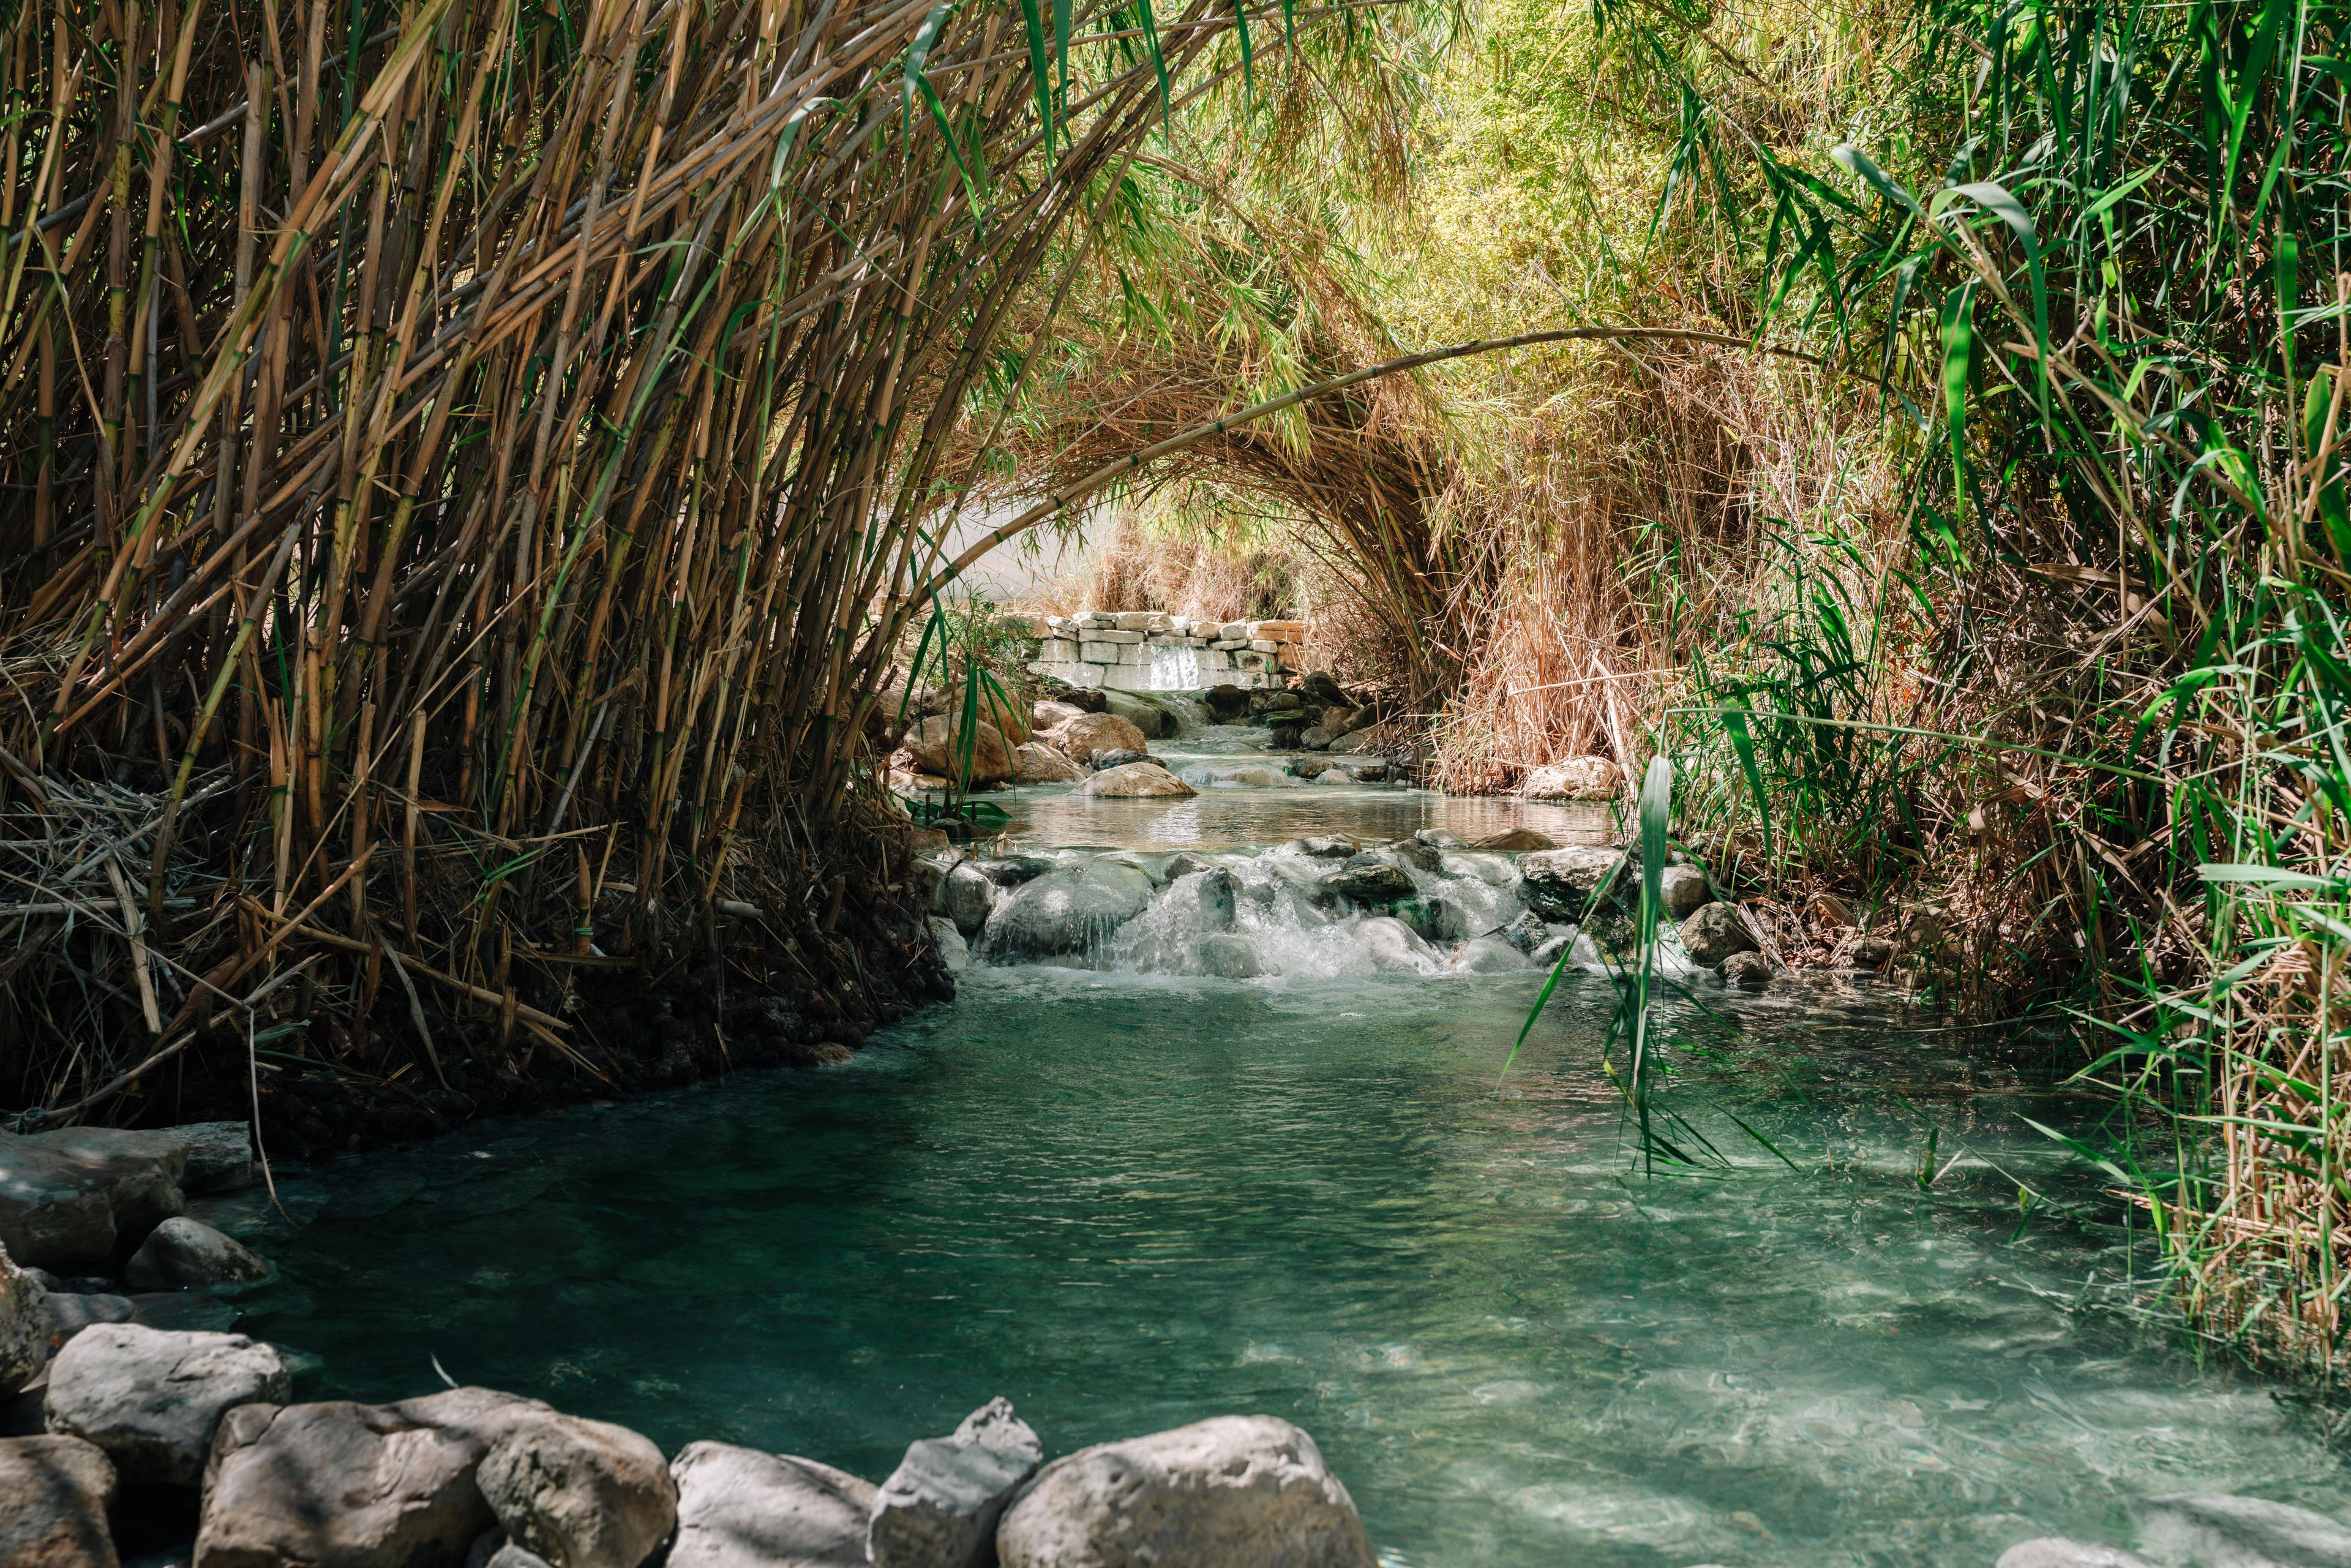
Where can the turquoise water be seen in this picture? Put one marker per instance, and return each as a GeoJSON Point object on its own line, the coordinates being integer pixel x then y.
{"type": "Point", "coordinates": [1128, 1201]}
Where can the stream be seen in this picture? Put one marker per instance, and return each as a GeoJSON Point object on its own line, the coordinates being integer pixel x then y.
{"type": "Point", "coordinates": [1126, 1195]}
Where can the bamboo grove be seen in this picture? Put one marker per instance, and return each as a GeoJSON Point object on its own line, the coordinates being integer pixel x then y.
{"type": "Point", "coordinates": [468, 467]}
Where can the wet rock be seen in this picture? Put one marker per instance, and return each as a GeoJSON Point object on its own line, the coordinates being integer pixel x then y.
{"type": "Point", "coordinates": [1393, 945]}
{"type": "Point", "coordinates": [1547, 953]}
{"type": "Point", "coordinates": [1682, 889]}
{"type": "Point", "coordinates": [1349, 744]}
{"type": "Point", "coordinates": [358, 1486]}
{"type": "Point", "coordinates": [1419, 856]}
{"type": "Point", "coordinates": [1283, 737]}
{"type": "Point", "coordinates": [1205, 900]}
{"type": "Point", "coordinates": [1749, 970]}
{"type": "Point", "coordinates": [1443, 839]}
{"type": "Point", "coordinates": [1338, 777]}
{"type": "Point", "coordinates": [1373, 884]}
{"type": "Point", "coordinates": [184, 1254]}
{"type": "Point", "coordinates": [1323, 848]}
{"type": "Point", "coordinates": [1143, 781]}
{"type": "Point", "coordinates": [1230, 957]}
{"type": "Point", "coordinates": [1079, 739]}
{"type": "Point", "coordinates": [1871, 952]}
{"type": "Point", "coordinates": [966, 898]}
{"type": "Point", "coordinates": [78, 1311]}
{"type": "Point", "coordinates": [54, 1494]}
{"type": "Point", "coordinates": [953, 951]}
{"type": "Point", "coordinates": [738, 1507]}
{"type": "Point", "coordinates": [1011, 870]}
{"type": "Point", "coordinates": [1117, 757]}
{"type": "Point", "coordinates": [940, 1506]}
{"type": "Point", "coordinates": [2223, 1532]}
{"type": "Point", "coordinates": [1559, 884]}
{"type": "Point", "coordinates": [1714, 932]}
{"type": "Point", "coordinates": [153, 1398]}
{"type": "Point", "coordinates": [1516, 841]}
{"type": "Point", "coordinates": [1151, 865]}
{"type": "Point", "coordinates": [937, 744]}
{"type": "Point", "coordinates": [1234, 1491]}
{"type": "Point", "coordinates": [1574, 779]}
{"type": "Point", "coordinates": [1488, 955]}
{"type": "Point", "coordinates": [1439, 920]}
{"type": "Point", "coordinates": [79, 1199]}
{"type": "Point", "coordinates": [1069, 910]}
{"type": "Point", "coordinates": [1315, 737]}
{"type": "Point", "coordinates": [1147, 716]}
{"type": "Point", "coordinates": [219, 1158]}
{"type": "Point", "coordinates": [1228, 702]}
{"type": "Point", "coordinates": [509, 1555]}
{"type": "Point", "coordinates": [1320, 687]}
{"type": "Point", "coordinates": [580, 1493]}
{"type": "Point", "coordinates": [1526, 932]}
{"type": "Point", "coordinates": [27, 1323]}
{"type": "Point", "coordinates": [2054, 1552]}
{"type": "Point", "coordinates": [1275, 701]}
{"type": "Point", "coordinates": [1035, 762]}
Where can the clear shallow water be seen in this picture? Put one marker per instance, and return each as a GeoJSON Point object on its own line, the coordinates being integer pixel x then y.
{"type": "Point", "coordinates": [1127, 1201]}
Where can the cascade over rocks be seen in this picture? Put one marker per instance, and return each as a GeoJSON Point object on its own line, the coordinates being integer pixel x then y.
{"type": "Point", "coordinates": [2054, 1552]}
{"type": "Point", "coordinates": [739, 1507]}
{"type": "Point", "coordinates": [1233, 1491]}
{"type": "Point", "coordinates": [1065, 911]}
{"type": "Point", "coordinates": [939, 1508]}
{"type": "Point", "coordinates": [1374, 881]}
{"type": "Point", "coordinates": [966, 897]}
{"type": "Point", "coordinates": [153, 1399]}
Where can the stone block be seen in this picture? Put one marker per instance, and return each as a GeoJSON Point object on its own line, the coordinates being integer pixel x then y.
{"type": "Point", "coordinates": [1136, 619]}
{"type": "Point", "coordinates": [939, 1508]}
{"type": "Point", "coordinates": [1122, 635]}
{"type": "Point", "coordinates": [1093, 653]}
{"type": "Point", "coordinates": [1264, 645]}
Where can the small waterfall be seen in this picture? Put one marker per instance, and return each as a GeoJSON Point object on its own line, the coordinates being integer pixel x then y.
{"type": "Point", "coordinates": [1191, 715]}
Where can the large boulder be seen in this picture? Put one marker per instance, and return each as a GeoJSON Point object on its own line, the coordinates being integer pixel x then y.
{"type": "Point", "coordinates": [1141, 712]}
{"type": "Point", "coordinates": [936, 745]}
{"type": "Point", "coordinates": [78, 1201]}
{"type": "Point", "coordinates": [357, 1486]}
{"type": "Point", "coordinates": [1069, 910]}
{"type": "Point", "coordinates": [1079, 739]}
{"type": "Point", "coordinates": [738, 1507]}
{"type": "Point", "coordinates": [153, 1398]}
{"type": "Point", "coordinates": [966, 897]}
{"type": "Point", "coordinates": [1234, 1491]}
{"type": "Point", "coordinates": [1228, 957]}
{"type": "Point", "coordinates": [1682, 889]}
{"type": "Point", "coordinates": [1714, 932]}
{"type": "Point", "coordinates": [54, 1494]}
{"type": "Point", "coordinates": [220, 1156]}
{"type": "Point", "coordinates": [184, 1254]}
{"type": "Point", "coordinates": [1397, 947]}
{"type": "Point", "coordinates": [1559, 884]}
{"type": "Point", "coordinates": [939, 1506]}
{"type": "Point", "coordinates": [1514, 841]}
{"type": "Point", "coordinates": [1574, 779]}
{"type": "Point", "coordinates": [1045, 714]}
{"type": "Point", "coordinates": [2225, 1531]}
{"type": "Point", "coordinates": [578, 1493]}
{"type": "Point", "coordinates": [1135, 780]}
{"type": "Point", "coordinates": [1034, 762]}
{"type": "Point", "coordinates": [27, 1323]}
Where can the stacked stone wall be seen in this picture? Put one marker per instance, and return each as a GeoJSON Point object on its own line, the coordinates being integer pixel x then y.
{"type": "Point", "coordinates": [1148, 651]}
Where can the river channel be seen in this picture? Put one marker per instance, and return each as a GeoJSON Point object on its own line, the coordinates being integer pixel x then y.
{"type": "Point", "coordinates": [1127, 1197]}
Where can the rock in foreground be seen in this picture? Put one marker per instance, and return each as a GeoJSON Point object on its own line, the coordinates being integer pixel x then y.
{"type": "Point", "coordinates": [153, 1398]}
{"type": "Point", "coordinates": [738, 1507]}
{"type": "Point", "coordinates": [1234, 1491]}
{"type": "Point", "coordinates": [1716, 932]}
{"type": "Point", "coordinates": [26, 1323]}
{"type": "Point", "coordinates": [578, 1493]}
{"type": "Point", "coordinates": [75, 1201]}
{"type": "Point", "coordinates": [54, 1493]}
{"type": "Point", "coordinates": [939, 1508]}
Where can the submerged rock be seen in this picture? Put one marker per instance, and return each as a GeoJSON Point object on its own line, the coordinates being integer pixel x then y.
{"type": "Point", "coordinates": [1559, 884]}
{"type": "Point", "coordinates": [1434, 919]}
{"type": "Point", "coordinates": [1011, 870]}
{"type": "Point", "coordinates": [1234, 1491]}
{"type": "Point", "coordinates": [1714, 932]}
{"type": "Point", "coordinates": [184, 1254]}
{"type": "Point", "coordinates": [1750, 970]}
{"type": "Point", "coordinates": [2229, 1532]}
{"type": "Point", "coordinates": [738, 1507]}
{"type": "Point", "coordinates": [1134, 780]}
{"type": "Point", "coordinates": [578, 1493]}
{"type": "Point", "coordinates": [153, 1398]}
{"type": "Point", "coordinates": [54, 1494]}
{"type": "Point", "coordinates": [939, 1508]}
{"type": "Point", "coordinates": [27, 1323]}
{"type": "Point", "coordinates": [1526, 932]}
{"type": "Point", "coordinates": [1203, 901]}
{"type": "Point", "coordinates": [76, 1200]}
{"type": "Point", "coordinates": [1069, 910]}
{"type": "Point", "coordinates": [77, 1311]}
{"type": "Point", "coordinates": [1230, 957]}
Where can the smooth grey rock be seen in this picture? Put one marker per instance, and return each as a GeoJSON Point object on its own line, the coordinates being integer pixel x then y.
{"type": "Point", "coordinates": [357, 1486]}
{"type": "Point", "coordinates": [1230, 957]}
{"type": "Point", "coordinates": [1714, 932]}
{"type": "Point", "coordinates": [153, 1398]}
{"type": "Point", "coordinates": [954, 952]}
{"type": "Point", "coordinates": [939, 1508]}
{"type": "Point", "coordinates": [1393, 945]}
{"type": "Point", "coordinates": [1441, 839]}
{"type": "Point", "coordinates": [2213, 1529]}
{"type": "Point", "coordinates": [738, 1507]}
{"type": "Point", "coordinates": [1376, 883]}
{"type": "Point", "coordinates": [77, 1313]}
{"type": "Point", "coordinates": [509, 1555]}
{"type": "Point", "coordinates": [1234, 1491]}
{"type": "Point", "coordinates": [1011, 870]}
{"type": "Point", "coordinates": [1141, 712]}
{"type": "Point", "coordinates": [1683, 889]}
{"type": "Point", "coordinates": [1416, 854]}
{"type": "Point", "coordinates": [1488, 955]}
{"type": "Point", "coordinates": [27, 1323]}
{"type": "Point", "coordinates": [1547, 955]}
{"type": "Point", "coordinates": [220, 1156]}
{"type": "Point", "coordinates": [1527, 932]}
{"type": "Point", "coordinates": [1323, 848]}
{"type": "Point", "coordinates": [966, 898]}
{"type": "Point", "coordinates": [54, 1494]}
{"type": "Point", "coordinates": [184, 1254]}
{"type": "Point", "coordinates": [1204, 900]}
{"type": "Point", "coordinates": [79, 1199]}
{"type": "Point", "coordinates": [1069, 910]}
{"type": "Point", "coordinates": [1559, 884]}
{"type": "Point", "coordinates": [2055, 1551]}
{"type": "Point", "coordinates": [1134, 780]}
{"type": "Point", "coordinates": [1750, 969]}
{"type": "Point", "coordinates": [580, 1493]}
